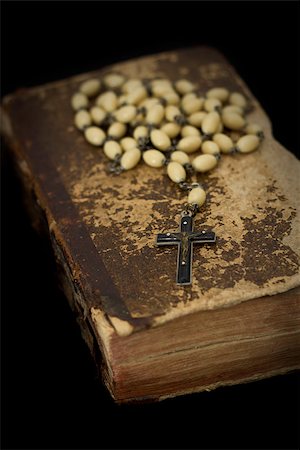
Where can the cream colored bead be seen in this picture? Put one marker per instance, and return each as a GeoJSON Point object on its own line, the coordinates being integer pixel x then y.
{"type": "Point", "coordinates": [82, 119]}
{"type": "Point", "coordinates": [171, 112]}
{"type": "Point", "coordinates": [161, 87]}
{"type": "Point", "coordinates": [171, 129]}
{"type": "Point", "coordinates": [238, 99]}
{"type": "Point", "coordinates": [220, 93]}
{"type": "Point", "coordinates": [197, 196]}
{"type": "Point", "coordinates": [127, 143]}
{"type": "Point", "coordinates": [79, 101]}
{"type": "Point", "coordinates": [97, 114]}
{"type": "Point", "coordinates": [184, 86]}
{"type": "Point", "coordinates": [224, 142]}
{"type": "Point", "coordinates": [149, 102]}
{"type": "Point", "coordinates": [233, 121]}
{"type": "Point", "coordinates": [197, 118]}
{"type": "Point", "coordinates": [248, 143]}
{"type": "Point", "coordinates": [171, 98]}
{"type": "Point", "coordinates": [212, 104]}
{"type": "Point", "coordinates": [140, 132]}
{"type": "Point", "coordinates": [131, 84]}
{"type": "Point", "coordinates": [253, 128]}
{"type": "Point", "coordinates": [122, 99]}
{"type": "Point", "coordinates": [125, 114]}
{"type": "Point", "coordinates": [188, 97]}
{"type": "Point", "coordinates": [108, 101]}
{"type": "Point", "coordinates": [160, 140]}
{"type": "Point", "coordinates": [233, 109]}
{"type": "Point", "coordinates": [154, 158]}
{"type": "Point", "coordinates": [137, 95]}
{"type": "Point", "coordinates": [204, 163]}
{"type": "Point", "coordinates": [155, 114]}
{"type": "Point", "coordinates": [220, 127]}
{"type": "Point", "coordinates": [114, 80]}
{"type": "Point", "coordinates": [189, 144]}
{"type": "Point", "coordinates": [90, 87]}
{"type": "Point", "coordinates": [94, 135]}
{"type": "Point", "coordinates": [192, 106]}
{"type": "Point", "coordinates": [117, 130]}
{"type": "Point", "coordinates": [112, 149]}
{"type": "Point", "coordinates": [131, 158]}
{"type": "Point", "coordinates": [211, 123]}
{"type": "Point", "coordinates": [210, 148]}
{"type": "Point", "coordinates": [176, 172]}
{"type": "Point", "coordinates": [188, 130]}
{"type": "Point", "coordinates": [180, 157]}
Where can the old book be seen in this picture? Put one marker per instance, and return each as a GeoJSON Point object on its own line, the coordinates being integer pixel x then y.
{"type": "Point", "coordinates": [239, 319]}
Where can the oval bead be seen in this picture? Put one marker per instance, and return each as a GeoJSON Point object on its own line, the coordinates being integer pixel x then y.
{"type": "Point", "coordinates": [197, 118]}
{"type": "Point", "coordinates": [212, 104]}
{"type": "Point", "coordinates": [160, 140]}
{"type": "Point", "coordinates": [171, 112]}
{"type": "Point", "coordinates": [176, 172]}
{"type": "Point", "coordinates": [108, 100]}
{"type": "Point", "coordinates": [137, 95]}
{"type": "Point", "coordinates": [125, 114]}
{"type": "Point", "coordinates": [224, 142]}
{"type": "Point", "coordinates": [197, 196]}
{"type": "Point", "coordinates": [180, 157]}
{"type": "Point", "coordinates": [254, 128]}
{"type": "Point", "coordinates": [184, 86]}
{"type": "Point", "coordinates": [189, 144]}
{"type": "Point", "coordinates": [82, 119]}
{"type": "Point", "coordinates": [140, 132]}
{"type": "Point", "coordinates": [131, 84]}
{"type": "Point", "coordinates": [79, 101]}
{"type": "Point", "coordinates": [94, 135]}
{"type": "Point", "coordinates": [211, 123]}
{"type": "Point", "coordinates": [204, 163]}
{"type": "Point", "coordinates": [232, 109]}
{"type": "Point", "coordinates": [210, 148]}
{"type": "Point", "coordinates": [248, 143]}
{"type": "Point", "coordinates": [131, 158]}
{"type": "Point", "coordinates": [220, 93]}
{"type": "Point", "coordinates": [90, 87]}
{"type": "Point", "coordinates": [171, 98]}
{"type": "Point", "coordinates": [154, 158]}
{"type": "Point", "coordinates": [97, 114]}
{"type": "Point", "coordinates": [238, 99]}
{"type": "Point", "coordinates": [155, 114]}
{"type": "Point", "coordinates": [233, 121]}
{"type": "Point", "coordinates": [171, 129]}
{"type": "Point", "coordinates": [188, 130]}
{"type": "Point", "coordinates": [149, 102]}
{"type": "Point", "coordinates": [127, 143]}
{"type": "Point", "coordinates": [117, 130]}
{"type": "Point", "coordinates": [112, 149]}
{"type": "Point", "coordinates": [113, 80]}
{"type": "Point", "coordinates": [193, 105]}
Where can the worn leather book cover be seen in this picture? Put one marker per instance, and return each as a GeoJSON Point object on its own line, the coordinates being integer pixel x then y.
{"type": "Point", "coordinates": [103, 228]}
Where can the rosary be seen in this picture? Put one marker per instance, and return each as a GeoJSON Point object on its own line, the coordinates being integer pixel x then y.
{"type": "Point", "coordinates": [166, 124]}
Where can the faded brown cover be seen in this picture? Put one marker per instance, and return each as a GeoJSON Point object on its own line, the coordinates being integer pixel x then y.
{"type": "Point", "coordinates": [105, 226]}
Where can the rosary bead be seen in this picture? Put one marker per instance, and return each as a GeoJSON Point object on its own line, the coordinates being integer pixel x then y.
{"type": "Point", "coordinates": [180, 157]}
{"type": "Point", "coordinates": [97, 114]}
{"type": "Point", "coordinates": [131, 158]}
{"type": "Point", "coordinates": [224, 142]}
{"type": "Point", "coordinates": [112, 149]}
{"type": "Point", "coordinates": [197, 196]}
{"type": "Point", "coordinates": [253, 128]}
{"type": "Point", "coordinates": [197, 118]}
{"type": "Point", "coordinates": [79, 101]}
{"type": "Point", "coordinates": [82, 119]}
{"type": "Point", "coordinates": [94, 136]}
{"type": "Point", "coordinates": [160, 140]}
{"type": "Point", "coordinates": [171, 129]}
{"type": "Point", "coordinates": [91, 87]}
{"type": "Point", "coordinates": [171, 97]}
{"type": "Point", "coordinates": [188, 130]}
{"type": "Point", "coordinates": [204, 163]}
{"type": "Point", "coordinates": [233, 109]}
{"type": "Point", "coordinates": [210, 148]}
{"type": "Point", "coordinates": [212, 104]}
{"type": "Point", "coordinates": [140, 132]}
{"type": "Point", "coordinates": [211, 123]}
{"type": "Point", "coordinates": [220, 93]}
{"type": "Point", "coordinates": [137, 95]}
{"type": "Point", "coordinates": [125, 114]}
{"type": "Point", "coordinates": [113, 80]}
{"type": "Point", "coordinates": [108, 101]}
{"type": "Point", "coordinates": [189, 144]}
{"type": "Point", "coordinates": [248, 143]}
{"type": "Point", "coordinates": [127, 143]}
{"type": "Point", "coordinates": [155, 114]}
{"type": "Point", "coordinates": [233, 121]}
{"type": "Point", "coordinates": [117, 130]}
{"type": "Point", "coordinates": [172, 112]}
{"type": "Point", "coordinates": [184, 86]}
{"type": "Point", "coordinates": [161, 87]}
{"type": "Point", "coordinates": [238, 99]}
{"type": "Point", "coordinates": [192, 105]}
{"type": "Point", "coordinates": [131, 84]}
{"type": "Point", "coordinates": [176, 172]}
{"type": "Point", "coordinates": [154, 158]}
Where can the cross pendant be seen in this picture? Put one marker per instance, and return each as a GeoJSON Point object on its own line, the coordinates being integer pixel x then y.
{"type": "Point", "coordinates": [185, 239]}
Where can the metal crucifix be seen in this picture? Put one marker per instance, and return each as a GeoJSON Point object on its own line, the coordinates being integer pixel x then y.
{"type": "Point", "coordinates": [185, 239]}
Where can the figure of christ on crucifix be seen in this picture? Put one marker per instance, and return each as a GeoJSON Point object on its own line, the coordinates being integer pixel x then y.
{"type": "Point", "coordinates": [185, 239]}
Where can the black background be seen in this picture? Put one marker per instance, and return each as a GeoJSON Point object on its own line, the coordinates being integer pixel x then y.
{"type": "Point", "coordinates": [51, 397]}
